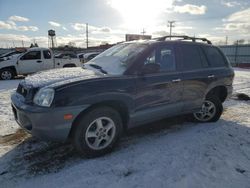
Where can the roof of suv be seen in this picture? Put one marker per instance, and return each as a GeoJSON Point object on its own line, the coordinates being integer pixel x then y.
{"type": "Point", "coordinates": [181, 39]}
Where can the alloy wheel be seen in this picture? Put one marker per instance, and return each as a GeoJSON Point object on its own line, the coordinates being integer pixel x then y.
{"type": "Point", "coordinates": [100, 133]}
{"type": "Point", "coordinates": [207, 112]}
{"type": "Point", "coordinates": [6, 75]}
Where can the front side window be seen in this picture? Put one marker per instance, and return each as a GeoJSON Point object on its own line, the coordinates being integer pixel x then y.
{"type": "Point", "coordinates": [164, 57]}
{"type": "Point", "coordinates": [150, 58]}
{"type": "Point", "coordinates": [72, 56]}
{"type": "Point", "coordinates": [32, 55]}
{"type": "Point", "coordinates": [47, 54]}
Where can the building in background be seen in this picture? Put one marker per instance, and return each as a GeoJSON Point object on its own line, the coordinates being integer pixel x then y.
{"type": "Point", "coordinates": [130, 37]}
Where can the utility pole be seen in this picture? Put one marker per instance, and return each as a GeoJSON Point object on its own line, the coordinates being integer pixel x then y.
{"type": "Point", "coordinates": [22, 43]}
{"type": "Point", "coordinates": [226, 40]}
{"type": "Point", "coordinates": [236, 53]}
{"type": "Point", "coordinates": [143, 31]}
{"type": "Point", "coordinates": [170, 24]}
{"type": "Point", "coordinates": [87, 36]}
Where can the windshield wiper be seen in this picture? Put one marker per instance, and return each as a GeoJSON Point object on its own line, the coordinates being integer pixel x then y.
{"type": "Point", "coordinates": [99, 68]}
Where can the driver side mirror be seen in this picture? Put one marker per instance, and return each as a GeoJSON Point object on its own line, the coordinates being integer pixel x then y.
{"type": "Point", "coordinates": [150, 68]}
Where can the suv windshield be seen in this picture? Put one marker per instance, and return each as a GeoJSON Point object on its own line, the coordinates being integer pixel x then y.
{"type": "Point", "coordinates": [116, 59]}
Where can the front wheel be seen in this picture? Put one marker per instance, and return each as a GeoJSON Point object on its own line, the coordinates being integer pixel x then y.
{"type": "Point", "coordinates": [211, 110]}
{"type": "Point", "coordinates": [6, 74]}
{"type": "Point", "coordinates": [97, 132]}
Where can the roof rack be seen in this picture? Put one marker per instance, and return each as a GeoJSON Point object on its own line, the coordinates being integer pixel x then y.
{"type": "Point", "coordinates": [183, 37]}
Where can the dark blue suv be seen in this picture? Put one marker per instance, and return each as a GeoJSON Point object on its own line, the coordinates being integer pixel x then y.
{"type": "Point", "coordinates": [130, 84]}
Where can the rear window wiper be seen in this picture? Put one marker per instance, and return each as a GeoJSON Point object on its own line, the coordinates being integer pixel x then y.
{"type": "Point", "coordinates": [99, 68]}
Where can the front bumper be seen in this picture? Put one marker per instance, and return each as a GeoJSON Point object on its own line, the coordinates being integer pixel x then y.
{"type": "Point", "coordinates": [44, 123]}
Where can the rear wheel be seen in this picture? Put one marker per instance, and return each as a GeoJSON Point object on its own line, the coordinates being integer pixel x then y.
{"type": "Point", "coordinates": [6, 74]}
{"type": "Point", "coordinates": [97, 132]}
{"type": "Point", "coordinates": [211, 110]}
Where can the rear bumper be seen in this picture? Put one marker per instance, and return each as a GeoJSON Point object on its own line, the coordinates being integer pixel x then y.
{"type": "Point", "coordinates": [44, 123]}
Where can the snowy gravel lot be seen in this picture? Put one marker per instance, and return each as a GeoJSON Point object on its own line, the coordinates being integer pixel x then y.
{"type": "Point", "coordinates": [168, 153]}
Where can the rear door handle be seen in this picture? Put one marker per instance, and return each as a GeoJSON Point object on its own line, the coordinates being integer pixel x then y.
{"type": "Point", "coordinates": [211, 76]}
{"type": "Point", "coordinates": [39, 61]}
{"type": "Point", "coordinates": [176, 80]}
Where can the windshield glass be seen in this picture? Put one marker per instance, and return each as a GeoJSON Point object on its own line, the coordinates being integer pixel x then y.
{"type": "Point", "coordinates": [116, 59]}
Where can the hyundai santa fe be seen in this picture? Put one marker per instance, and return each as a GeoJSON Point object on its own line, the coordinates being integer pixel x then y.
{"type": "Point", "coordinates": [130, 84]}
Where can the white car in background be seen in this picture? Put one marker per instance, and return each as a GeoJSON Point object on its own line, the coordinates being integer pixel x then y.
{"type": "Point", "coordinates": [9, 55]}
{"type": "Point", "coordinates": [34, 60]}
{"type": "Point", "coordinates": [89, 56]}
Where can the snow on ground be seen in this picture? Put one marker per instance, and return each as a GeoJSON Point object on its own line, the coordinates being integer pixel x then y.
{"type": "Point", "coordinates": [168, 153]}
{"type": "Point", "coordinates": [7, 122]}
{"type": "Point", "coordinates": [242, 81]}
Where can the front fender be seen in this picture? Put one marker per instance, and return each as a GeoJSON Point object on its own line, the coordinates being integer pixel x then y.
{"type": "Point", "coordinates": [8, 63]}
{"type": "Point", "coordinates": [98, 91]}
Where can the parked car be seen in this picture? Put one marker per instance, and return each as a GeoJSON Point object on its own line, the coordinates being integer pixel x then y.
{"type": "Point", "coordinates": [88, 56]}
{"type": "Point", "coordinates": [34, 60]}
{"type": "Point", "coordinates": [66, 55]}
{"type": "Point", "coordinates": [128, 85]}
{"type": "Point", "coordinates": [9, 55]}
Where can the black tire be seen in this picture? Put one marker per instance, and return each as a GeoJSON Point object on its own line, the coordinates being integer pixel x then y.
{"type": "Point", "coordinates": [6, 74]}
{"type": "Point", "coordinates": [217, 106]}
{"type": "Point", "coordinates": [83, 144]}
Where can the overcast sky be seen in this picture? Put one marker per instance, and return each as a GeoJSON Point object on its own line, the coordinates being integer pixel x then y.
{"type": "Point", "coordinates": [110, 20]}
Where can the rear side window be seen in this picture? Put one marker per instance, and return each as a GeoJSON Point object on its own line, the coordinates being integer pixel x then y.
{"type": "Point", "coordinates": [191, 57]}
{"type": "Point", "coordinates": [214, 57]}
{"type": "Point", "coordinates": [167, 59]}
{"type": "Point", "coordinates": [47, 54]}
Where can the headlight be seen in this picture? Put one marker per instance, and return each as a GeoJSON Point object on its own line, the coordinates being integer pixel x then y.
{"type": "Point", "coordinates": [44, 97]}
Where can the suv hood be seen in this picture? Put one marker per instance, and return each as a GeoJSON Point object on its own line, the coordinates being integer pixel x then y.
{"type": "Point", "coordinates": [57, 77]}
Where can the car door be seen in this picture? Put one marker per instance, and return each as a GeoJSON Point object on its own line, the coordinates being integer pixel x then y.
{"type": "Point", "coordinates": [159, 94]}
{"type": "Point", "coordinates": [195, 75]}
{"type": "Point", "coordinates": [30, 62]}
{"type": "Point", "coordinates": [218, 70]}
{"type": "Point", "coordinates": [47, 60]}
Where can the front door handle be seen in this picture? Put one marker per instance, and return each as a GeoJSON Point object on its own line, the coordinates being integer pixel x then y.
{"type": "Point", "coordinates": [39, 61]}
{"type": "Point", "coordinates": [211, 76]}
{"type": "Point", "coordinates": [176, 80]}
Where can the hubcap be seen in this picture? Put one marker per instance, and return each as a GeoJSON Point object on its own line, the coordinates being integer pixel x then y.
{"type": "Point", "coordinates": [6, 75]}
{"type": "Point", "coordinates": [100, 133]}
{"type": "Point", "coordinates": [207, 111]}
